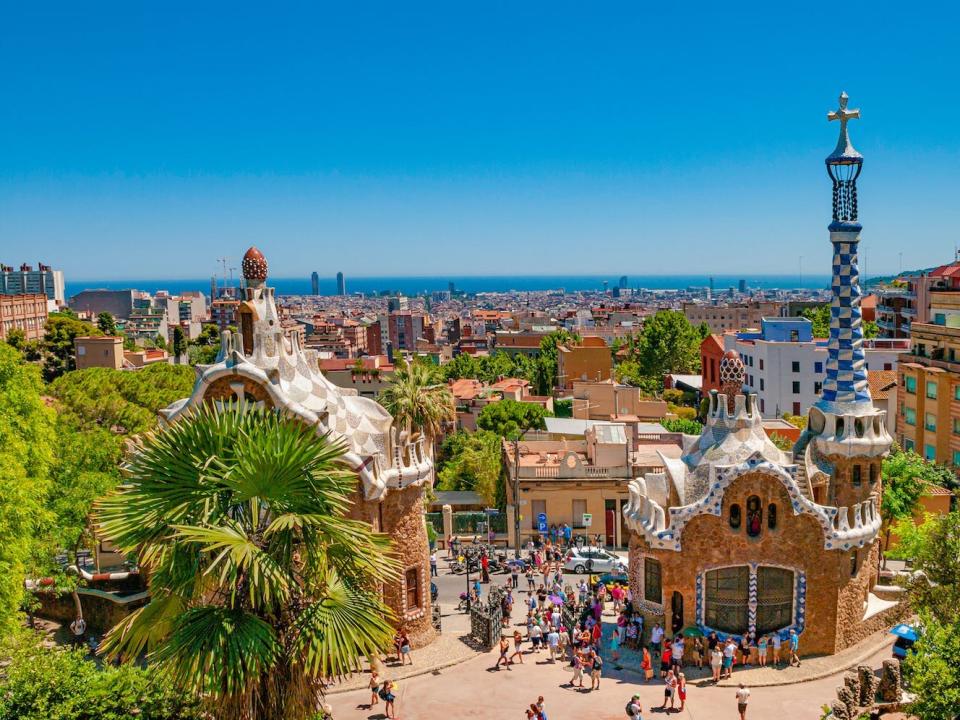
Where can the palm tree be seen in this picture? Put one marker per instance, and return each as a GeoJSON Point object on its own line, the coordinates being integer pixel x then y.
{"type": "Point", "coordinates": [261, 589]}
{"type": "Point", "coordinates": [418, 398]}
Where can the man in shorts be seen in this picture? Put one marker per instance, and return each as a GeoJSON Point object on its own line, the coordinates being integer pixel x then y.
{"type": "Point", "coordinates": [729, 651]}
{"type": "Point", "coordinates": [656, 637]}
{"type": "Point", "coordinates": [743, 697]}
{"type": "Point", "coordinates": [634, 709]}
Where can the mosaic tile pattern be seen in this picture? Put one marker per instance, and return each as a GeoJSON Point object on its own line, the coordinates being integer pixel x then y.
{"type": "Point", "coordinates": [846, 379]}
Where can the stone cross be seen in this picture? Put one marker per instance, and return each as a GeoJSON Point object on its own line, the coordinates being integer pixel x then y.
{"type": "Point", "coordinates": [842, 114]}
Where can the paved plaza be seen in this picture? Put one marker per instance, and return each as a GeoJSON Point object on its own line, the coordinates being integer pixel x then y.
{"type": "Point", "coordinates": [451, 679]}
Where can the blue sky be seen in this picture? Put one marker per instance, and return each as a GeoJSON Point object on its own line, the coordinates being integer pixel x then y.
{"type": "Point", "coordinates": [485, 138]}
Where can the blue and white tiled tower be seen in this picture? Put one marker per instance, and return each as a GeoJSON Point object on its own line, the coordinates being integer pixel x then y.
{"type": "Point", "coordinates": [844, 420]}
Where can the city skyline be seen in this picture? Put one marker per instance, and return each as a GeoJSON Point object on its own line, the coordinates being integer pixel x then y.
{"type": "Point", "coordinates": [407, 140]}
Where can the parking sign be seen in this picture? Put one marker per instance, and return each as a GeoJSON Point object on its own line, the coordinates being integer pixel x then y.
{"type": "Point", "coordinates": [542, 522]}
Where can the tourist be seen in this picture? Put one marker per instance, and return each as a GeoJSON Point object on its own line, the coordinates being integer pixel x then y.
{"type": "Point", "coordinates": [553, 643]}
{"type": "Point", "coordinates": [682, 691]}
{"type": "Point", "coordinates": [567, 534]}
{"type": "Point", "coordinates": [485, 566]}
{"type": "Point", "coordinates": [698, 651]}
{"type": "Point", "coordinates": [666, 660]}
{"type": "Point", "coordinates": [433, 564]}
{"type": "Point", "coordinates": [517, 645]}
{"type": "Point", "coordinates": [403, 644]}
{"type": "Point", "coordinates": [515, 573]}
{"type": "Point", "coordinates": [729, 652]}
{"type": "Point", "coordinates": [577, 669]}
{"type": "Point", "coordinates": [670, 685]}
{"type": "Point", "coordinates": [615, 648]}
{"type": "Point", "coordinates": [776, 649]}
{"type": "Point", "coordinates": [656, 637]}
{"type": "Point", "coordinates": [583, 591]}
{"type": "Point", "coordinates": [712, 642]}
{"type": "Point", "coordinates": [716, 661]}
{"type": "Point", "coordinates": [476, 590]}
{"type": "Point", "coordinates": [633, 709]}
{"type": "Point", "coordinates": [536, 634]}
{"type": "Point", "coordinates": [762, 650]}
{"type": "Point", "coordinates": [388, 693]}
{"type": "Point", "coordinates": [374, 686]}
{"type": "Point", "coordinates": [596, 670]}
{"type": "Point", "coordinates": [616, 594]}
{"type": "Point", "coordinates": [743, 697]}
{"type": "Point", "coordinates": [794, 648]}
{"type": "Point", "coordinates": [676, 652]}
{"type": "Point", "coordinates": [531, 581]}
{"type": "Point", "coordinates": [504, 649]}
{"type": "Point", "coordinates": [744, 650]}
{"type": "Point", "coordinates": [646, 664]}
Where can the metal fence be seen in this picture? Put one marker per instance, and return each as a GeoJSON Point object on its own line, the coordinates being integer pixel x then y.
{"type": "Point", "coordinates": [473, 523]}
{"type": "Point", "coordinates": [486, 619]}
{"type": "Point", "coordinates": [436, 519]}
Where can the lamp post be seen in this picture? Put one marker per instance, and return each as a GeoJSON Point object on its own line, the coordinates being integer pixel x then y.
{"type": "Point", "coordinates": [466, 564]}
{"type": "Point", "coordinates": [516, 499]}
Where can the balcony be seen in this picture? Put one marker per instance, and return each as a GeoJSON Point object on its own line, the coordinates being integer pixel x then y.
{"type": "Point", "coordinates": [908, 312]}
{"type": "Point", "coordinates": [894, 293]}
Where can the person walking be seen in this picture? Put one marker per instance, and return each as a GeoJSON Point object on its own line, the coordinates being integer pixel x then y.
{"type": "Point", "coordinates": [762, 650]}
{"type": "Point", "coordinates": [646, 664]}
{"type": "Point", "coordinates": [374, 686]}
{"type": "Point", "coordinates": [517, 645]}
{"type": "Point", "coordinates": [403, 642]}
{"type": "Point", "coordinates": [729, 651]}
{"type": "Point", "coordinates": [553, 643]}
{"type": "Point", "coordinates": [656, 637]}
{"type": "Point", "coordinates": [794, 648]}
{"type": "Point", "coordinates": [433, 564]}
{"type": "Point", "coordinates": [389, 695]}
{"type": "Point", "coordinates": [531, 581]}
{"type": "Point", "coordinates": [776, 649]}
{"type": "Point", "coordinates": [743, 697]}
{"type": "Point", "coordinates": [536, 635]}
{"type": "Point", "coordinates": [596, 670]}
{"type": "Point", "coordinates": [577, 670]}
{"type": "Point", "coordinates": [634, 709]}
{"type": "Point", "coordinates": [666, 660]}
{"type": "Point", "coordinates": [515, 574]}
{"type": "Point", "coordinates": [504, 649]}
{"type": "Point", "coordinates": [682, 691]}
{"type": "Point", "coordinates": [485, 566]}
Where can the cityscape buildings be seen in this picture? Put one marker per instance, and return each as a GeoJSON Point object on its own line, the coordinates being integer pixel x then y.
{"type": "Point", "coordinates": [341, 284]}
{"type": "Point", "coordinates": [23, 311]}
{"type": "Point", "coordinates": [26, 281]}
{"type": "Point", "coordinates": [315, 283]}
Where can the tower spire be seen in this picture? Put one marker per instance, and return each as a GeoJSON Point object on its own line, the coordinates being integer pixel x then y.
{"type": "Point", "coordinates": [846, 380]}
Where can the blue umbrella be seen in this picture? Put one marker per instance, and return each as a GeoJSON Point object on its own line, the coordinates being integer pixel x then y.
{"type": "Point", "coordinates": [904, 631]}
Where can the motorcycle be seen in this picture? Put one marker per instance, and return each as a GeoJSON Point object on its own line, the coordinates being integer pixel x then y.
{"type": "Point", "coordinates": [463, 605]}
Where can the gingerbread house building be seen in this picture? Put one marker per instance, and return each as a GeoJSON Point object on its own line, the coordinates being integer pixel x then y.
{"type": "Point", "coordinates": [262, 364]}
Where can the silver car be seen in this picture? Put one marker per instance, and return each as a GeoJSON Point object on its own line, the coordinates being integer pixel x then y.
{"type": "Point", "coordinates": [595, 560]}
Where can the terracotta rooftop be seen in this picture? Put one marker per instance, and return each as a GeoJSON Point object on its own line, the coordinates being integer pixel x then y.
{"type": "Point", "coordinates": [932, 489]}
{"type": "Point", "coordinates": [881, 383]}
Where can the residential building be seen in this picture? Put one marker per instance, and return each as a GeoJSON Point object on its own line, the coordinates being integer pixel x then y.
{"type": "Point", "coordinates": [118, 303]}
{"type": "Point", "coordinates": [883, 392]}
{"type": "Point", "coordinates": [368, 376]}
{"type": "Point", "coordinates": [609, 400]}
{"type": "Point", "coordinates": [590, 359]}
{"type": "Point", "coordinates": [786, 367]}
{"type": "Point", "coordinates": [518, 343]}
{"type": "Point", "coordinates": [146, 324]}
{"type": "Point", "coordinates": [404, 328]}
{"type": "Point", "coordinates": [23, 311]}
{"type": "Point", "coordinates": [567, 479]}
{"type": "Point", "coordinates": [223, 312]}
{"type": "Point", "coordinates": [471, 396]}
{"type": "Point", "coordinates": [730, 316]}
{"type": "Point", "coordinates": [105, 351]}
{"type": "Point", "coordinates": [711, 353]}
{"type": "Point", "coordinates": [26, 281]}
{"type": "Point", "coordinates": [893, 308]}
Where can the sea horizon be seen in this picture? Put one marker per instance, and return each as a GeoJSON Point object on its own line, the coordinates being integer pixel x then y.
{"type": "Point", "coordinates": [418, 285]}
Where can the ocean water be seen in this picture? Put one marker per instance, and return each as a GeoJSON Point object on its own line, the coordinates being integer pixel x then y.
{"type": "Point", "coordinates": [474, 284]}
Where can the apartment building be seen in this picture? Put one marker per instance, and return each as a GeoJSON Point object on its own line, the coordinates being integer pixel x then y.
{"type": "Point", "coordinates": [590, 360]}
{"type": "Point", "coordinates": [731, 316]}
{"type": "Point", "coordinates": [26, 312]}
{"type": "Point", "coordinates": [26, 281]}
{"type": "Point", "coordinates": [785, 366]}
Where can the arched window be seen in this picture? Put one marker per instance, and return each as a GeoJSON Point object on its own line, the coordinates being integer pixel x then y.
{"type": "Point", "coordinates": [727, 599]}
{"type": "Point", "coordinates": [774, 599]}
{"type": "Point", "coordinates": [873, 474]}
{"type": "Point", "coordinates": [772, 516]}
{"type": "Point", "coordinates": [857, 475]}
{"type": "Point", "coordinates": [735, 516]}
{"type": "Point", "coordinates": [754, 516]}
{"type": "Point", "coordinates": [652, 585]}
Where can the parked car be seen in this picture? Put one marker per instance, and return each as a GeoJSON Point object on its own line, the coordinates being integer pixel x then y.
{"type": "Point", "coordinates": [597, 560]}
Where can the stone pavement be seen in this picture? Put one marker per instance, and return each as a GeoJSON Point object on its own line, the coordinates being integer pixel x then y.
{"type": "Point", "coordinates": [473, 689]}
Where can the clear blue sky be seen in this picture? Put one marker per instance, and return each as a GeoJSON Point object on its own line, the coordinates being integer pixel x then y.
{"type": "Point", "coordinates": [481, 138]}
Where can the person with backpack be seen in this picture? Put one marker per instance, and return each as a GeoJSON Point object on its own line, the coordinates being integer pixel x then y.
{"type": "Point", "coordinates": [633, 709]}
{"type": "Point", "coordinates": [389, 697]}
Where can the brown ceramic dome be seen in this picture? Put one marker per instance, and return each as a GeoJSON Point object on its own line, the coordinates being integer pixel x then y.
{"type": "Point", "coordinates": [254, 265]}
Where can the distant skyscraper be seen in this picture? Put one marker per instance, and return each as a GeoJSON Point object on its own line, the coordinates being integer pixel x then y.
{"type": "Point", "coordinates": [743, 286]}
{"type": "Point", "coordinates": [341, 284]}
{"type": "Point", "coordinates": [315, 283]}
{"type": "Point", "coordinates": [623, 282]}
{"type": "Point", "coordinates": [451, 287]}
{"type": "Point", "coordinates": [213, 288]}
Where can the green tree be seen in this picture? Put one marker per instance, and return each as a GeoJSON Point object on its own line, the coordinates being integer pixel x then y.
{"type": "Point", "coordinates": [668, 344]}
{"type": "Point", "coordinates": [26, 454]}
{"type": "Point", "coordinates": [42, 683]}
{"type": "Point", "coordinates": [16, 338]}
{"type": "Point", "coordinates": [106, 323]}
{"type": "Point", "coordinates": [472, 461]}
{"type": "Point", "coordinates": [418, 398]}
{"type": "Point", "coordinates": [179, 342]}
{"type": "Point", "coordinates": [681, 425]}
{"type": "Point", "coordinates": [510, 418]}
{"type": "Point", "coordinates": [58, 342]}
{"type": "Point", "coordinates": [563, 408]}
{"type": "Point", "coordinates": [904, 480]}
{"type": "Point", "coordinates": [261, 588]}
{"type": "Point", "coordinates": [871, 330]}
{"type": "Point", "coordinates": [819, 317]}
{"type": "Point", "coordinates": [931, 671]}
